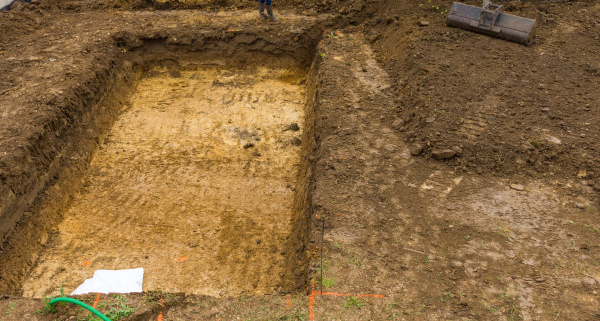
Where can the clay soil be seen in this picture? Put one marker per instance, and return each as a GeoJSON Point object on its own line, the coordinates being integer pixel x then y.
{"type": "Point", "coordinates": [444, 175]}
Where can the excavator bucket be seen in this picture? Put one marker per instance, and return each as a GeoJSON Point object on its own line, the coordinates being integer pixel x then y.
{"type": "Point", "coordinates": [490, 20]}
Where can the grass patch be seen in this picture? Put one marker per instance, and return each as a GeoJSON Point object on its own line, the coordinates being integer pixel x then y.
{"type": "Point", "coordinates": [353, 302]}
{"type": "Point", "coordinates": [119, 309]}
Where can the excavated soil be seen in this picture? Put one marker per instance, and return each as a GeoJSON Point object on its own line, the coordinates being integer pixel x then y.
{"type": "Point", "coordinates": [195, 182]}
{"type": "Point", "coordinates": [442, 174]}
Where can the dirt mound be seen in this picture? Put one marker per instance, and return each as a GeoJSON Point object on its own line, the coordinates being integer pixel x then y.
{"type": "Point", "coordinates": [499, 106]}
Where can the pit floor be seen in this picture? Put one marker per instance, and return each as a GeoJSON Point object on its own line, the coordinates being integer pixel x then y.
{"type": "Point", "coordinates": [194, 183]}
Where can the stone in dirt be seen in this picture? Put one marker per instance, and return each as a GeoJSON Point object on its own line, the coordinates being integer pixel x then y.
{"type": "Point", "coordinates": [416, 149]}
{"type": "Point", "coordinates": [440, 154]}
{"type": "Point", "coordinates": [458, 150]}
{"type": "Point", "coordinates": [296, 141]}
{"type": "Point", "coordinates": [397, 124]}
{"type": "Point", "coordinates": [423, 23]}
{"type": "Point", "coordinates": [517, 187]}
{"type": "Point", "coordinates": [293, 127]}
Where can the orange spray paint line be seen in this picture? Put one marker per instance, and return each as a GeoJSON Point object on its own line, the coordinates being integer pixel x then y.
{"type": "Point", "coordinates": [288, 301]}
{"type": "Point", "coordinates": [160, 317]}
{"type": "Point", "coordinates": [311, 301]}
{"type": "Point", "coordinates": [96, 302]}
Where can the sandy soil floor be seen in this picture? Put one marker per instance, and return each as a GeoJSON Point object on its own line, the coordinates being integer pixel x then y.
{"type": "Point", "coordinates": [195, 179]}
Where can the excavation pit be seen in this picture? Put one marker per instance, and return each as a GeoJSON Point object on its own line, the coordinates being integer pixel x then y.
{"type": "Point", "coordinates": [199, 181]}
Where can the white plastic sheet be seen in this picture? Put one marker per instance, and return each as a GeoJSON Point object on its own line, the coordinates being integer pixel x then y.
{"type": "Point", "coordinates": [113, 281]}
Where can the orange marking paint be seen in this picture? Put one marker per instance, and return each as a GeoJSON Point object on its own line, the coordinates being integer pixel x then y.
{"type": "Point", "coordinates": [160, 317]}
{"type": "Point", "coordinates": [311, 302]}
{"type": "Point", "coordinates": [311, 298]}
{"type": "Point", "coordinates": [96, 302]}
{"type": "Point", "coordinates": [288, 301]}
{"type": "Point", "coordinates": [181, 258]}
{"type": "Point", "coordinates": [86, 263]}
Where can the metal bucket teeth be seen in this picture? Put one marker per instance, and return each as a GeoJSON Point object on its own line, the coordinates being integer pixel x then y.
{"type": "Point", "coordinates": [490, 20]}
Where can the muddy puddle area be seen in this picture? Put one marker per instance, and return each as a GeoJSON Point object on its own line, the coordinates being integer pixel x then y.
{"type": "Point", "coordinates": [195, 182]}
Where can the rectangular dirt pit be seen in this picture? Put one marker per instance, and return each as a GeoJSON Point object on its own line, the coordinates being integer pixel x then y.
{"type": "Point", "coordinates": [196, 182]}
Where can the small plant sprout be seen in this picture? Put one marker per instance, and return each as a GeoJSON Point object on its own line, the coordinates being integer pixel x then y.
{"type": "Point", "coordinates": [11, 307]}
{"type": "Point", "coordinates": [328, 282]}
{"type": "Point", "coordinates": [353, 302]}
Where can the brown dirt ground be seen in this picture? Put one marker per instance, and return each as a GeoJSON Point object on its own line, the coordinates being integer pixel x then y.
{"type": "Point", "coordinates": [506, 229]}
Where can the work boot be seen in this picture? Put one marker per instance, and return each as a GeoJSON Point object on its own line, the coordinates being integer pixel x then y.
{"type": "Point", "coordinates": [271, 15]}
{"type": "Point", "coordinates": [261, 10]}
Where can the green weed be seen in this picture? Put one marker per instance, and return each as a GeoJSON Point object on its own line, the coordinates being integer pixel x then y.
{"type": "Point", "coordinates": [48, 308]}
{"type": "Point", "coordinates": [447, 297]}
{"type": "Point", "coordinates": [421, 309]}
{"type": "Point", "coordinates": [353, 302]}
{"type": "Point", "coordinates": [328, 282]}
{"type": "Point", "coordinates": [536, 144]}
{"type": "Point", "coordinates": [355, 260]}
{"type": "Point", "coordinates": [119, 309]}
{"type": "Point", "coordinates": [293, 316]}
{"type": "Point", "coordinates": [11, 307]}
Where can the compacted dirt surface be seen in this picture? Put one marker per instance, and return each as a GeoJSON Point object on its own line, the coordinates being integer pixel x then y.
{"type": "Point", "coordinates": [357, 160]}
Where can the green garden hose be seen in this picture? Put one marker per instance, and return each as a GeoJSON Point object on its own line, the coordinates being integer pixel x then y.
{"type": "Point", "coordinates": [81, 304]}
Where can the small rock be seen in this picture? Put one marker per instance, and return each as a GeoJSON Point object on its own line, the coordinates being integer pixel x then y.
{"type": "Point", "coordinates": [517, 187]}
{"type": "Point", "coordinates": [456, 264]}
{"type": "Point", "coordinates": [527, 146]}
{"type": "Point", "coordinates": [580, 205]}
{"type": "Point", "coordinates": [293, 127]}
{"type": "Point", "coordinates": [398, 123]}
{"type": "Point", "coordinates": [441, 154]}
{"type": "Point", "coordinates": [457, 150]}
{"type": "Point", "coordinates": [588, 281]}
{"type": "Point", "coordinates": [553, 140]}
{"type": "Point", "coordinates": [430, 119]}
{"type": "Point", "coordinates": [582, 174]}
{"type": "Point", "coordinates": [416, 149]}
{"type": "Point", "coordinates": [546, 109]}
{"type": "Point", "coordinates": [539, 280]}
{"type": "Point", "coordinates": [296, 141]}
{"type": "Point", "coordinates": [423, 23]}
